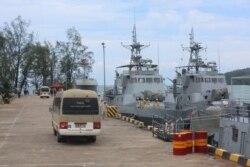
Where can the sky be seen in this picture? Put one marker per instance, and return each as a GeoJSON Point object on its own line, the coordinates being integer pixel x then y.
{"type": "Point", "coordinates": [223, 28]}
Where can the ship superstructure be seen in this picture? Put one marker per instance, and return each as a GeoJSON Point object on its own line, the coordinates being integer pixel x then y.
{"type": "Point", "coordinates": [82, 79]}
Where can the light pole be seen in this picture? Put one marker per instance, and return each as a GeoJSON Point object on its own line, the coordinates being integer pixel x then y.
{"type": "Point", "coordinates": [104, 77]}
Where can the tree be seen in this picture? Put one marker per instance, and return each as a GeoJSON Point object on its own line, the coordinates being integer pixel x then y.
{"type": "Point", "coordinates": [17, 39]}
{"type": "Point", "coordinates": [1, 41]}
{"type": "Point", "coordinates": [40, 69]}
{"type": "Point", "coordinates": [72, 52]}
{"type": "Point", "coordinates": [238, 73]}
{"type": "Point", "coordinates": [6, 73]}
{"type": "Point", "coordinates": [26, 66]}
{"type": "Point", "coordinates": [53, 61]}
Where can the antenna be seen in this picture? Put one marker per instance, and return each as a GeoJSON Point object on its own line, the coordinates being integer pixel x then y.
{"type": "Point", "coordinates": [158, 56]}
{"type": "Point", "coordinates": [192, 36]}
{"type": "Point", "coordinates": [134, 34]}
{"type": "Point", "coordinates": [219, 60]}
{"type": "Point", "coordinates": [134, 30]}
{"type": "Point", "coordinates": [134, 15]}
{"type": "Point", "coordinates": [135, 48]}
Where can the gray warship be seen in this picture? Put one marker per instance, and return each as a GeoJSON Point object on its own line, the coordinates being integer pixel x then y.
{"type": "Point", "coordinates": [82, 80]}
{"type": "Point", "coordinates": [201, 86]}
{"type": "Point", "coordinates": [139, 86]}
{"type": "Point", "coordinates": [199, 83]}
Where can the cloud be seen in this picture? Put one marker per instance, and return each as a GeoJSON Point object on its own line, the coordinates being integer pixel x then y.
{"type": "Point", "coordinates": [219, 25]}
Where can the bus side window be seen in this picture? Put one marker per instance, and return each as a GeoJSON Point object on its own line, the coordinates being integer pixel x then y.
{"type": "Point", "coordinates": [57, 104]}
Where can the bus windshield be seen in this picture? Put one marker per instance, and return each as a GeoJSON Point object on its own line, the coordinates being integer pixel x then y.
{"type": "Point", "coordinates": [80, 106]}
{"type": "Point", "coordinates": [44, 89]}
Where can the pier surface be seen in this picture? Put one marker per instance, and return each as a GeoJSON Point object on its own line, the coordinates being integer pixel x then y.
{"type": "Point", "coordinates": [27, 140]}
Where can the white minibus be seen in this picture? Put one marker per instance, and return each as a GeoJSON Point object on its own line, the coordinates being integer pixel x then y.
{"type": "Point", "coordinates": [76, 113]}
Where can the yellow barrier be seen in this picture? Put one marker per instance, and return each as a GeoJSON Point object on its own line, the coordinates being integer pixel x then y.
{"type": "Point", "coordinates": [112, 111]}
{"type": "Point", "coordinates": [118, 116]}
{"type": "Point", "coordinates": [124, 118]}
{"type": "Point", "coordinates": [234, 157]}
{"type": "Point", "coordinates": [132, 120]}
{"type": "Point", "coordinates": [141, 124]}
{"type": "Point", "coordinates": [248, 162]}
{"type": "Point", "coordinates": [150, 127]}
{"type": "Point", "coordinates": [219, 152]}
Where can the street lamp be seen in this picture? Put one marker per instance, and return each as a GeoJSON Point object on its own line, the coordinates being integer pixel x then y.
{"type": "Point", "coordinates": [104, 77]}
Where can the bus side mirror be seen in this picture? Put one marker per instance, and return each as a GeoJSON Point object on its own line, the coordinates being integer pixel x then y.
{"type": "Point", "coordinates": [50, 109]}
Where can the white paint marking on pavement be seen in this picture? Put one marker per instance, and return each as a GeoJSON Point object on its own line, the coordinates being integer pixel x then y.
{"type": "Point", "coordinates": [62, 165]}
{"type": "Point", "coordinates": [11, 127]}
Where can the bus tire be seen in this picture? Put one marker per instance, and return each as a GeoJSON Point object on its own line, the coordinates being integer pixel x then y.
{"type": "Point", "coordinates": [55, 132]}
{"type": "Point", "coordinates": [93, 139]}
{"type": "Point", "coordinates": [60, 139]}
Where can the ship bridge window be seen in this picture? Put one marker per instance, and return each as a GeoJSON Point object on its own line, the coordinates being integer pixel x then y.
{"type": "Point", "coordinates": [192, 78]}
{"type": "Point", "coordinates": [157, 80]}
{"type": "Point", "coordinates": [207, 80]}
{"type": "Point", "coordinates": [235, 134]}
{"type": "Point", "coordinates": [221, 80]}
{"type": "Point", "coordinates": [141, 80]}
{"type": "Point", "coordinates": [202, 79]}
{"type": "Point", "coordinates": [197, 80]}
{"type": "Point", "coordinates": [133, 80]}
{"type": "Point", "coordinates": [214, 80]}
{"type": "Point", "coordinates": [149, 80]}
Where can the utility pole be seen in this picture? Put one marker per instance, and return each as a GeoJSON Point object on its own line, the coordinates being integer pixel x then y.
{"type": "Point", "coordinates": [104, 75]}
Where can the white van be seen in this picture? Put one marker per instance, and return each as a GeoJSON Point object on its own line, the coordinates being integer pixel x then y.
{"type": "Point", "coordinates": [76, 113]}
{"type": "Point", "coordinates": [44, 92]}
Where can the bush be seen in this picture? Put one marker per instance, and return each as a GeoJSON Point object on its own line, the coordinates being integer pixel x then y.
{"type": "Point", "coordinates": [6, 92]}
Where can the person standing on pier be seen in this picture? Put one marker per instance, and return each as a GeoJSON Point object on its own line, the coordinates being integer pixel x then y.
{"type": "Point", "coordinates": [104, 108]}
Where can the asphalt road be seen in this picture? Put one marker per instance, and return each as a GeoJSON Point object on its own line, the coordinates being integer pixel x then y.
{"type": "Point", "coordinates": [27, 140]}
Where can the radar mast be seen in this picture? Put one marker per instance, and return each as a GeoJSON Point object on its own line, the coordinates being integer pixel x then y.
{"type": "Point", "coordinates": [135, 49]}
{"type": "Point", "coordinates": [194, 49]}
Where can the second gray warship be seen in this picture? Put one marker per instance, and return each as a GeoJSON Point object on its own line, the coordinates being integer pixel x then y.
{"type": "Point", "coordinates": [202, 86]}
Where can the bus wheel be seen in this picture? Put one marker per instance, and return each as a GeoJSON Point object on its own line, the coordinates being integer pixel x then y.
{"type": "Point", "coordinates": [93, 139]}
{"type": "Point", "coordinates": [55, 132]}
{"type": "Point", "coordinates": [60, 139]}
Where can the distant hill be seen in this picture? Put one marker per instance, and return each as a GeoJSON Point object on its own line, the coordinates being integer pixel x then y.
{"type": "Point", "coordinates": [238, 73]}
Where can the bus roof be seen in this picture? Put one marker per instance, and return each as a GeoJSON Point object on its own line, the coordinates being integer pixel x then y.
{"type": "Point", "coordinates": [77, 93]}
{"type": "Point", "coordinates": [44, 87]}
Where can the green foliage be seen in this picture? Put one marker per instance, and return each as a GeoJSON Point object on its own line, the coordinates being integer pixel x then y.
{"type": "Point", "coordinates": [22, 60]}
{"type": "Point", "coordinates": [238, 73]}
{"type": "Point", "coordinates": [6, 91]}
{"type": "Point", "coordinates": [71, 52]}
{"type": "Point", "coordinates": [16, 41]}
{"type": "Point", "coordinates": [1, 41]}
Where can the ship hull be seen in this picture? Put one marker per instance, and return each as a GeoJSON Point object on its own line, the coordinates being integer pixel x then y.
{"type": "Point", "coordinates": [146, 115]}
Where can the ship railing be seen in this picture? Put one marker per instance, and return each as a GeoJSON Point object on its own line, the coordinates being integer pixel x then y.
{"type": "Point", "coordinates": [237, 118]}
{"type": "Point", "coordinates": [160, 128]}
{"type": "Point", "coordinates": [207, 117]}
{"type": "Point", "coordinates": [238, 107]}
{"type": "Point", "coordinates": [148, 72]}
{"type": "Point", "coordinates": [202, 70]}
{"type": "Point", "coordinates": [164, 128]}
{"type": "Point", "coordinates": [237, 112]}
